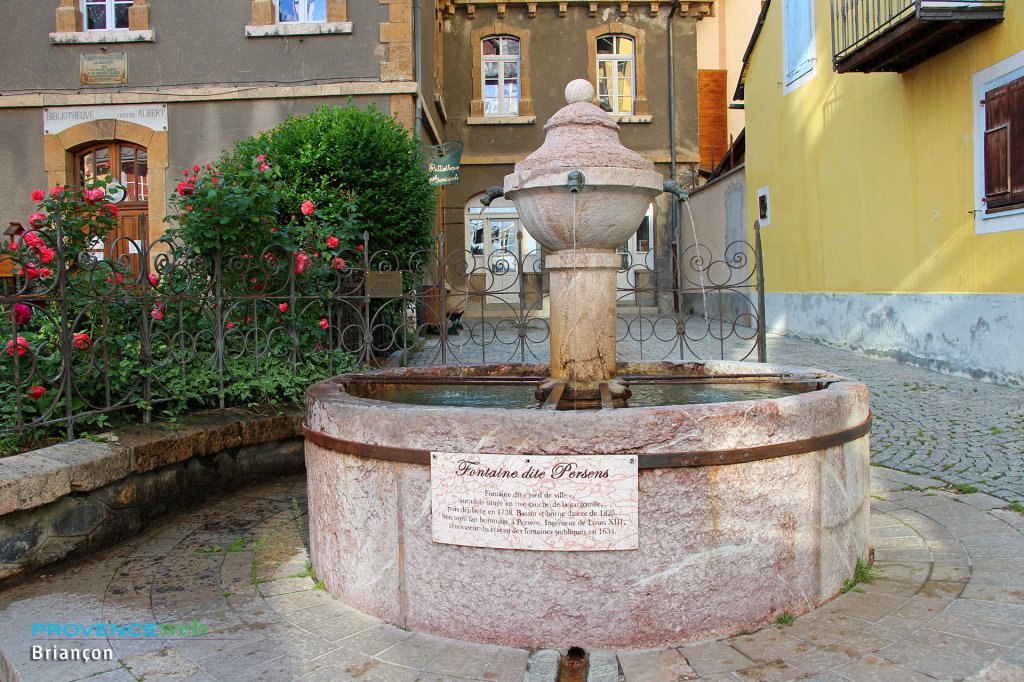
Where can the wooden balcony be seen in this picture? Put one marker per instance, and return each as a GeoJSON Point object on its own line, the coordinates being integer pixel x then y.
{"type": "Point", "coordinates": [895, 35]}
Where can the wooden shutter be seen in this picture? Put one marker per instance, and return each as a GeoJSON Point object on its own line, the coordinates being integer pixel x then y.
{"type": "Point", "coordinates": [1004, 145]}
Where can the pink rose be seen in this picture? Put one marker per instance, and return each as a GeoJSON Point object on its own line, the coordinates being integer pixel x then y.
{"type": "Point", "coordinates": [36, 392]}
{"type": "Point", "coordinates": [22, 313]}
{"type": "Point", "coordinates": [57, 189]}
{"type": "Point", "coordinates": [260, 157]}
{"type": "Point", "coordinates": [37, 219]}
{"type": "Point", "coordinates": [13, 246]}
{"type": "Point", "coordinates": [153, 279]}
{"type": "Point", "coordinates": [118, 275]}
{"type": "Point", "coordinates": [32, 238]}
{"type": "Point", "coordinates": [308, 207]}
{"type": "Point", "coordinates": [46, 254]}
{"type": "Point", "coordinates": [157, 313]}
{"type": "Point", "coordinates": [332, 242]}
{"type": "Point", "coordinates": [339, 263]}
{"type": "Point", "coordinates": [20, 346]}
{"type": "Point", "coordinates": [264, 168]}
{"type": "Point", "coordinates": [38, 195]}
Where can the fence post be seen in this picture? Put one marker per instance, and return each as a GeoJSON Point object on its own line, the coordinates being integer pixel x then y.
{"type": "Point", "coordinates": [65, 332]}
{"type": "Point", "coordinates": [762, 342]}
{"type": "Point", "coordinates": [442, 281]}
{"type": "Point", "coordinates": [218, 333]}
{"type": "Point", "coordinates": [146, 350]}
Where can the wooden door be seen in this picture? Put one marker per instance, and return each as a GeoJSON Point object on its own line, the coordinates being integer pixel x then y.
{"type": "Point", "coordinates": [128, 166]}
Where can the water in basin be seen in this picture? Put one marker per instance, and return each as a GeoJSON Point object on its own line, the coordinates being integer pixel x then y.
{"type": "Point", "coordinates": [520, 396]}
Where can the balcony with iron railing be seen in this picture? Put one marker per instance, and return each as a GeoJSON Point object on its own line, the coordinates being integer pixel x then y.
{"type": "Point", "coordinates": [895, 35]}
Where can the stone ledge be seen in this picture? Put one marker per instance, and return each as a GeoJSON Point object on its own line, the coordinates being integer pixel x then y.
{"type": "Point", "coordinates": [93, 37]}
{"type": "Point", "coordinates": [622, 118]}
{"type": "Point", "coordinates": [39, 477]}
{"type": "Point", "coordinates": [71, 499]}
{"type": "Point", "coordinates": [310, 29]}
{"type": "Point", "coordinates": [500, 120]}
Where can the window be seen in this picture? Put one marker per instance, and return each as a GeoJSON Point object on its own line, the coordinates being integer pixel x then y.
{"type": "Point", "coordinates": [500, 64]}
{"type": "Point", "coordinates": [301, 11]}
{"type": "Point", "coordinates": [1004, 147]}
{"type": "Point", "coordinates": [797, 43]}
{"type": "Point", "coordinates": [615, 73]}
{"type": "Point", "coordinates": [106, 15]}
{"type": "Point", "coordinates": [998, 96]}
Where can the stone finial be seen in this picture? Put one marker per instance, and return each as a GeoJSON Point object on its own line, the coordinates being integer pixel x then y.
{"type": "Point", "coordinates": [579, 90]}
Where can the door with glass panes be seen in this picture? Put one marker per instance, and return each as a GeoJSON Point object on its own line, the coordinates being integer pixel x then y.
{"type": "Point", "coordinates": [500, 250]}
{"type": "Point", "coordinates": [126, 168]}
{"type": "Point", "coordinates": [635, 259]}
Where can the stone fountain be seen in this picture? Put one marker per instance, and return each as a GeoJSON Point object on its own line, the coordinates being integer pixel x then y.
{"type": "Point", "coordinates": [616, 526]}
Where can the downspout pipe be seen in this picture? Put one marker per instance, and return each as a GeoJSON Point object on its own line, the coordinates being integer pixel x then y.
{"type": "Point", "coordinates": [417, 39]}
{"type": "Point", "coordinates": [671, 91]}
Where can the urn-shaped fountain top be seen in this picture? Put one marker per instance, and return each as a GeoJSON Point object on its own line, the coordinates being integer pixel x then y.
{"type": "Point", "coordinates": [582, 189]}
{"type": "Point", "coordinates": [580, 135]}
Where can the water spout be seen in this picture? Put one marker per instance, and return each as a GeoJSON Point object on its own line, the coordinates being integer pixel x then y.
{"type": "Point", "coordinates": [674, 188]}
{"type": "Point", "coordinates": [491, 194]}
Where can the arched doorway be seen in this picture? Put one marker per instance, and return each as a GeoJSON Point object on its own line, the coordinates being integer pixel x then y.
{"type": "Point", "coordinates": [127, 165]}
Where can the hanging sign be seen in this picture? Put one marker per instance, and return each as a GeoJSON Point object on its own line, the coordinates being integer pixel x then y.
{"type": "Point", "coordinates": [444, 163]}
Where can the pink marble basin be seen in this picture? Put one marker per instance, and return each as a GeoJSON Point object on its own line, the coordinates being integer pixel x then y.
{"type": "Point", "coordinates": [746, 510]}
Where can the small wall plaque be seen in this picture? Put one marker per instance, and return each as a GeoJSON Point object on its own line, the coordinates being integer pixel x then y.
{"type": "Point", "coordinates": [384, 284]}
{"type": "Point", "coordinates": [104, 69]}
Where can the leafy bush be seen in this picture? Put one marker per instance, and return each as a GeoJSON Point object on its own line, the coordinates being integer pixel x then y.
{"type": "Point", "coordinates": [361, 169]}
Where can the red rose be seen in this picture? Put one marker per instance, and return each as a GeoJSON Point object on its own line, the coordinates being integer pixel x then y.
{"type": "Point", "coordinates": [229, 325]}
{"type": "Point", "coordinates": [186, 188]}
{"type": "Point", "coordinates": [45, 272]}
{"type": "Point", "coordinates": [360, 247]}
{"type": "Point", "coordinates": [22, 313]}
{"type": "Point", "coordinates": [36, 392]}
{"type": "Point", "coordinates": [324, 324]}
{"type": "Point", "coordinates": [82, 341]}
{"type": "Point", "coordinates": [37, 219]}
{"type": "Point", "coordinates": [38, 195]}
{"type": "Point", "coordinates": [308, 207]}
{"type": "Point", "coordinates": [332, 242]}
{"type": "Point", "coordinates": [57, 189]}
{"type": "Point", "coordinates": [20, 346]}
{"type": "Point", "coordinates": [153, 279]}
{"type": "Point", "coordinates": [111, 209]}
{"type": "Point", "coordinates": [46, 254]}
{"type": "Point", "coordinates": [283, 307]}
{"type": "Point", "coordinates": [32, 238]}
{"type": "Point", "coordinates": [30, 271]}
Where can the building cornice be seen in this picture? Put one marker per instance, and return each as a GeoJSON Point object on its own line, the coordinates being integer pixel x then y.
{"type": "Point", "coordinates": [209, 94]}
{"type": "Point", "coordinates": [694, 10]}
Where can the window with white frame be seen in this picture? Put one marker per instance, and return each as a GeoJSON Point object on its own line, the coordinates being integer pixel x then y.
{"type": "Point", "coordinates": [106, 15]}
{"type": "Point", "coordinates": [301, 11]}
{"type": "Point", "coordinates": [798, 61]}
{"type": "Point", "coordinates": [501, 68]}
{"type": "Point", "coordinates": [616, 73]}
{"type": "Point", "coordinates": [999, 146]}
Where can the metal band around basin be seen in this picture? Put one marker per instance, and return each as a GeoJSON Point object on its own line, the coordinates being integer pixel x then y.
{"type": "Point", "coordinates": [660, 460]}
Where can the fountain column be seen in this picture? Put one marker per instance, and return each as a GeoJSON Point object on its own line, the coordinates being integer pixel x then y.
{"type": "Point", "coordinates": [583, 296]}
{"type": "Point", "coordinates": [581, 195]}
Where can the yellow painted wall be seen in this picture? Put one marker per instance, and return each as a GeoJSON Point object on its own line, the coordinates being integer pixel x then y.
{"type": "Point", "coordinates": [872, 175]}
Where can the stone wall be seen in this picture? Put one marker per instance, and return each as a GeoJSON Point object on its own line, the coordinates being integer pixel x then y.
{"type": "Point", "coordinates": [67, 500]}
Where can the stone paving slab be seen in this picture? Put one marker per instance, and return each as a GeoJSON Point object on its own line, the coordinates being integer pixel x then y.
{"type": "Point", "coordinates": [243, 578]}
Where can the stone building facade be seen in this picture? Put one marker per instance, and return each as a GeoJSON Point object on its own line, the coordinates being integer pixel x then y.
{"type": "Point", "coordinates": [499, 75]}
{"type": "Point", "coordinates": [148, 88]}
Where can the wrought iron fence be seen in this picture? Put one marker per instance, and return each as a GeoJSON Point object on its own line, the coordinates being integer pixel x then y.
{"type": "Point", "coordinates": [158, 323]}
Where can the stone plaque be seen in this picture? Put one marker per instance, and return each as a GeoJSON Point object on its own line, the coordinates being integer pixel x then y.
{"type": "Point", "coordinates": [104, 69]}
{"type": "Point", "coordinates": [384, 284]}
{"type": "Point", "coordinates": [566, 503]}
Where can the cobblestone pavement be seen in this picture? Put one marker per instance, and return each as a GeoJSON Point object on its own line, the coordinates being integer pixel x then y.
{"type": "Point", "coordinates": [948, 604]}
{"type": "Point", "coordinates": [963, 432]}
